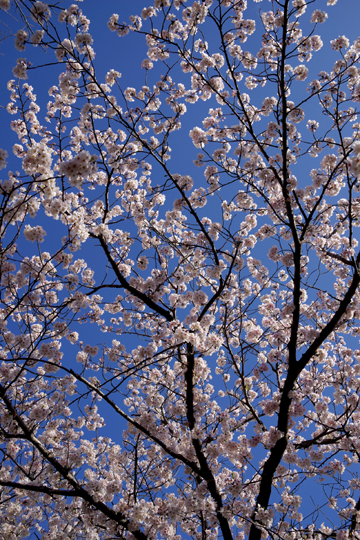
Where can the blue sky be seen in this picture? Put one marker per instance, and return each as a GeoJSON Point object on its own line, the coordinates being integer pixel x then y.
{"type": "Point", "coordinates": [126, 54]}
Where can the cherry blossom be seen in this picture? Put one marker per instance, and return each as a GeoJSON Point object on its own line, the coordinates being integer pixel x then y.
{"type": "Point", "coordinates": [180, 274]}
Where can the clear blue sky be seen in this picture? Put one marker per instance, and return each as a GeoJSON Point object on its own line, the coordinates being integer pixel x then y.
{"type": "Point", "coordinates": [126, 54]}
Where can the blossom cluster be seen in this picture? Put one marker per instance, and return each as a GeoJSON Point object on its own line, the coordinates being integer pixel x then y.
{"type": "Point", "coordinates": [78, 168]}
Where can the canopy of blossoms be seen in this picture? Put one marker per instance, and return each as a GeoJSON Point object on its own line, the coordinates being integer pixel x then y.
{"type": "Point", "coordinates": [180, 270]}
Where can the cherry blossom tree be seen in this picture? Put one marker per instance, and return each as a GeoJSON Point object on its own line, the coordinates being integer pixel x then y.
{"type": "Point", "coordinates": [180, 276]}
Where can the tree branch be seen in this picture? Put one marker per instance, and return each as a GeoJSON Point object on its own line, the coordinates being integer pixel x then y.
{"type": "Point", "coordinates": [138, 294]}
